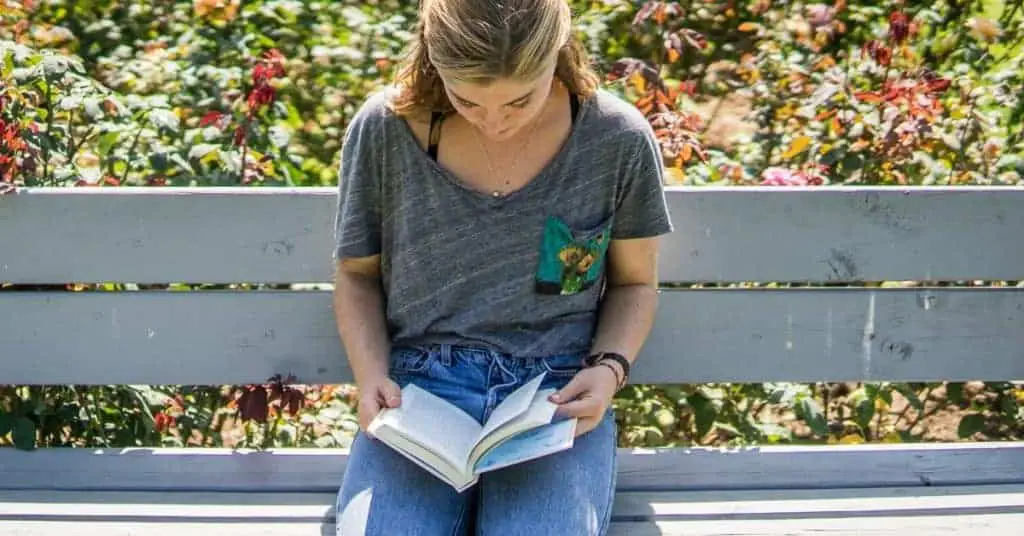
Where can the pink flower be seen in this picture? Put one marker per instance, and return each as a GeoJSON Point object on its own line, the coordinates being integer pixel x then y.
{"type": "Point", "coordinates": [776, 176]}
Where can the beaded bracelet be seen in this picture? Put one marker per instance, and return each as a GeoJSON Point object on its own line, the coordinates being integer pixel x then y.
{"type": "Point", "coordinates": [615, 371]}
{"type": "Point", "coordinates": [603, 357]}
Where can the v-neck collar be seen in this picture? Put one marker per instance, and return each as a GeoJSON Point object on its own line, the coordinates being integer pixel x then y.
{"type": "Point", "coordinates": [535, 182]}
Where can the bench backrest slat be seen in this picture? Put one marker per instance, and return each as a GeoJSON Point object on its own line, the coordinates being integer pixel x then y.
{"type": "Point", "coordinates": [213, 235]}
{"type": "Point", "coordinates": [701, 335]}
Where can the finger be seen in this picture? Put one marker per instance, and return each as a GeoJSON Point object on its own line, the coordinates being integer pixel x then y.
{"type": "Point", "coordinates": [573, 389]}
{"type": "Point", "coordinates": [391, 394]}
{"type": "Point", "coordinates": [585, 425]}
{"type": "Point", "coordinates": [586, 407]}
{"type": "Point", "coordinates": [368, 409]}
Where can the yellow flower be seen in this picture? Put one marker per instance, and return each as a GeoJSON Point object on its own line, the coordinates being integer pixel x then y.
{"type": "Point", "coordinates": [219, 10]}
{"type": "Point", "coordinates": [570, 255]}
{"type": "Point", "coordinates": [984, 29]}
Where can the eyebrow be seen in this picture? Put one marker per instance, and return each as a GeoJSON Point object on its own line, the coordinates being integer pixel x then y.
{"type": "Point", "coordinates": [513, 101]}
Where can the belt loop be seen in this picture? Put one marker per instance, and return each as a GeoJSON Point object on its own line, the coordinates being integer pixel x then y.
{"type": "Point", "coordinates": [446, 355]}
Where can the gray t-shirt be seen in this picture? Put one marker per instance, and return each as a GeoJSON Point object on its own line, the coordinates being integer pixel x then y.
{"type": "Point", "coordinates": [521, 274]}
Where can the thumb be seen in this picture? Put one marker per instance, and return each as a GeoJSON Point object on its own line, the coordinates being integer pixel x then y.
{"type": "Point", "coordinates": [569, 392]}
{"type": "Point", "coordinates": [390, 393]}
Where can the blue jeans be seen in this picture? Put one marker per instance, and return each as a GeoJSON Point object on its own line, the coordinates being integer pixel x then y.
{"type": "Point", "coordinates": [570, 492]}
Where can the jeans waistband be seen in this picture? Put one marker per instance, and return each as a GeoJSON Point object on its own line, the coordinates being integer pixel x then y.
{"type": "Point", "coordinates": [446, 351]}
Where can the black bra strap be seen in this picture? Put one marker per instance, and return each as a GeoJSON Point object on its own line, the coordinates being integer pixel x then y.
{"type": "Point", "coordinates": [435, 134]}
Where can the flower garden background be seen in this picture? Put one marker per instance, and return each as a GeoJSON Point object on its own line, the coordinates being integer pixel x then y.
{"type": "Point", "coordinates": [109, 93]}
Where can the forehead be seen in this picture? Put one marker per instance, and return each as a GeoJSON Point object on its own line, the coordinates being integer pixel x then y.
{"type": "Point", "coordinates": [497, 93]}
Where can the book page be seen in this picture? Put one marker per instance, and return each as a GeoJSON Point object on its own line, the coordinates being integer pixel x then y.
{"type": "Point", "coordinates": [529, 445]}
{"type": "Point", "coordinates": [433, 423]}
{"type": "Point", "coordinates": [458, 477]}
{"type": "Point", "coordinates": [513, 406]}
{"type": "Point", "coordinates": [539, 412]}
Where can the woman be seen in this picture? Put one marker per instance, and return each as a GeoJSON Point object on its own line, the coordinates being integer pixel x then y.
{"type": "Point", "coordinates": [497, 218]}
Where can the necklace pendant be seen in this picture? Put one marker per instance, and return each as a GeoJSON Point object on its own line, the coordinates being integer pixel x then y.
{"type": "Point", "coordinates": [496, 194]}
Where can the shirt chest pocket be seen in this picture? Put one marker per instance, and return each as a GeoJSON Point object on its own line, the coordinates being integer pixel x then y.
{"type": "Point", "coordinates": [571, 260]}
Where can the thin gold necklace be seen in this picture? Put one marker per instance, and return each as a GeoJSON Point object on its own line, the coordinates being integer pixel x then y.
{"type": "Point", "coordinates": [515, 161]}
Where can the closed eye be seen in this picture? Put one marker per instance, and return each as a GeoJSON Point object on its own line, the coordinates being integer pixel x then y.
{"type": "Point", "coordinates": [518, 105]}
{"type": "Point", "coordinates": [521, 102]}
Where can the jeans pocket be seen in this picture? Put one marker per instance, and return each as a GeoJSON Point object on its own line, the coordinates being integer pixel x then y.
{"type": "Point", "coordinates": [408, 361]}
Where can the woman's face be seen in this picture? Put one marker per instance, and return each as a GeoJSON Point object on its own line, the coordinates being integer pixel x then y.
{"type": "Point", "coordinates": [502, 108]}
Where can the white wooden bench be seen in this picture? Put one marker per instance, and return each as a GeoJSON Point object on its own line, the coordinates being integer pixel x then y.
{"type": "Point", "coordinates": [812, 333]}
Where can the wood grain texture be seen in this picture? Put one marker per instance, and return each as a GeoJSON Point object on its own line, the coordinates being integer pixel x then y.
{"type": "Point", "coordinates": [709, 335]}
{"type": "Point", "coordinates": [722, 234]}
{"type": "Point", "coordinates": [874, 511]}
{"type": "Point", "coordinates": [682, 469]}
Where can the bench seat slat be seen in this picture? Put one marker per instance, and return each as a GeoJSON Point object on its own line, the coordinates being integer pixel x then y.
{"type": "Point", "coordinates": [795, 511]}
{"type": "Point", "coordinates": [708, 335]}
{"type": "Point", "coordinates": [989, 525]}
{"type": "Point", "coordinates": [995, 525]}
{"type": "Point", "coordinates": [320, 470]}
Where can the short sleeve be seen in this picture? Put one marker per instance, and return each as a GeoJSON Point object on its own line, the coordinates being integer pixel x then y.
{"type": "Point", "coordinates": [642, 210]}
{"type": "Point", "coordinates": [357, 221]}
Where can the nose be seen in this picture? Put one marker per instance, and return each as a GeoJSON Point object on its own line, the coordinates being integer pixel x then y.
{"type": "Point", "coordinates": [495, 121]}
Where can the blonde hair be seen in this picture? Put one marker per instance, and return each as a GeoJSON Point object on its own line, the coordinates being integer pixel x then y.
{"type": "Point", "coordinates": [479, 41]}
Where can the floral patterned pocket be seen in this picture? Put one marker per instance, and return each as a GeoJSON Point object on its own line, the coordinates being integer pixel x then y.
{"type": "Point", "coordinates": [571, 260]}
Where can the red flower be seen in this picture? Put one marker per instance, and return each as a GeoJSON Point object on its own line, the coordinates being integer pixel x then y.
{"type": "Point", "coordinates": [162, 421]}
{"type": "Point", "coordinates": [899, 27]}
{"type": "Point", "coordinates": [293, 400]}
{"type": "Point", "coordinates": [695, 38]}
{"type": "Point", "coordinates": [275, 60]}
{"type": "Point", "coordinates": [214, 118]}
{"type": "Point", "coordinates": [253, 404]}
{"type": "Point", "coordinates": [239, 135]}
{"type": "Point", "coordinates": [260, 96]}
{"type": "Point", "coordinates": [879, 52]}
{"type": "Point", "coordinates": [271, 66]}
{"type": "Point", "coordinates": [659, 11]}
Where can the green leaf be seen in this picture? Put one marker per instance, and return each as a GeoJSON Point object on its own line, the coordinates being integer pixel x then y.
{"type": "Point", "coordinates": [852, 162]}
{"type": "Point", "coordinates": [293, 119]}
{"type": "Point", "coordinates": [6, 423]}
{"type": "Point", "coordinates": [834, 155]}
{"type": "Point", "coordinates": [970, 425]}
{"type": "Point", "coordinates": [106, 142]}
{"type": "Point", "coordinates": [7, 68]}
{"type": "Point", "coordinates": [911, 396]}
{"type": "Point", "coordinates": [1009, 407]}
{"type": "Point", "coordinates": [25, 434]}
{"type": "Point", "coordinates": [885, 393]}
{"type": "Point", "coordinates": [955, 392]}
{"type": "Point", "coordinates": [810, 411]}
{"type": "Point", "coordinates": [704, 413]}
{"type": "Point", "coordinates": [865, 412]}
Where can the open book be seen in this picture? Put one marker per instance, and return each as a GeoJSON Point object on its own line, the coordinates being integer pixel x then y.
{"type": "Point", "coordinates": [452, 445]}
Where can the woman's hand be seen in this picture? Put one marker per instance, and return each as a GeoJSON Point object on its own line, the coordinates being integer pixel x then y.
{"type": "Point", "coordinates": [587, 396]}
{"type": "Point", "coordinates": [374, 396]}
